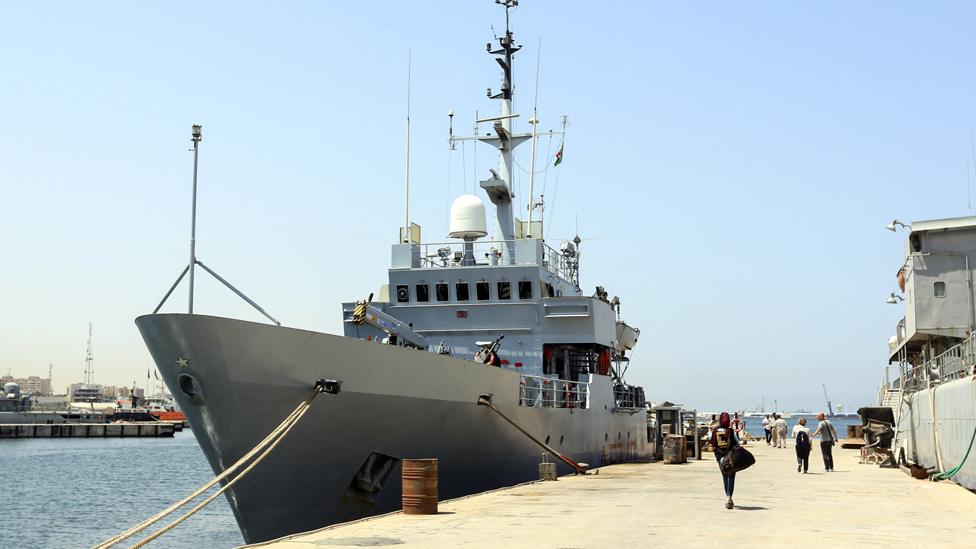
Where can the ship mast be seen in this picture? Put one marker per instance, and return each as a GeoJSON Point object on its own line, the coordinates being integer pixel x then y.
{"type": "Point", "coordinates": [499, 186]}
{"type": "Point", "coordinates": [89, 359]}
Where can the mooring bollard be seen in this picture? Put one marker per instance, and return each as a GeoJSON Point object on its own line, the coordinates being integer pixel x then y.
{"type": "Point", "coordinates": [547, 470]}
{"type": "Point", "coordinates": [419, 477]}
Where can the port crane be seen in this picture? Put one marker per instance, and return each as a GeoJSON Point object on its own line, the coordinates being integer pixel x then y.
{"type": "Point", "coordinates": [830, 409]}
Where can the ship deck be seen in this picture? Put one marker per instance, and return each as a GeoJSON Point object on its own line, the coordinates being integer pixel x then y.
{"type": "Point", "coordinates": [671, 505]}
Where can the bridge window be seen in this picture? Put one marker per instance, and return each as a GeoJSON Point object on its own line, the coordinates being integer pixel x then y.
{"type": "Point", "coordinates": [423, 293]}
{"type": "Point", "coordinates": [940, 289]}
{"type": "Point", "coordinates": [482, 290]}
{"type": "Point", "coordinates": [525, 289]}
{"type": "Point", "coordinates": [402, 293]}
{"type": "Point", "coordinates": [504, 290]}
{"type": "Point", "coordinates": [461, 291]}
{"type": "Point", "coordinates": [441, 291]}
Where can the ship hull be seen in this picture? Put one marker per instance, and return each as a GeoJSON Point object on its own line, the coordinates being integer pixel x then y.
{"type": "Point", "coordinates": [341, 462]}
{"type": "Point", "coordinates": [954, 407]}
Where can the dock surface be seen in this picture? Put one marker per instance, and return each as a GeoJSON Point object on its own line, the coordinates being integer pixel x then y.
{"type": "Point", "coordinates": [657, 504]}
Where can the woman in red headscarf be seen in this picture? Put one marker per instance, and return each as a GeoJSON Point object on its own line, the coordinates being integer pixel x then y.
{"type": "Point", "coordinates": [724, 441]}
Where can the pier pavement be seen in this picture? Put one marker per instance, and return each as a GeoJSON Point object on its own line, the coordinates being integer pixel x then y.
{"type": "Point", "coordinates": [664, 505]}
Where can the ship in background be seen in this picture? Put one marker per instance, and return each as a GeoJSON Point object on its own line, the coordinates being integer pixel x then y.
{"type": "Point", "coordinates": [504, 319]}
{"type": "Point", "coordinates": [931, 402]}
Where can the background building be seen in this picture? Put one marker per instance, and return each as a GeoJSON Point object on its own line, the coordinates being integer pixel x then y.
{"type": "Point", "coordinates": [30, 385]}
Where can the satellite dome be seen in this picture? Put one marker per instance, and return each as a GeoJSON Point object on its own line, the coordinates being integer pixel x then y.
{"type": "Point", "coordinates": [892, 343]}
{"type": "Point", "coordinates": [468, 217]}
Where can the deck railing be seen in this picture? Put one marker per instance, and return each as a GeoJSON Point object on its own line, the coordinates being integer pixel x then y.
{"type": "Point", "coordinates": [493, 252]}
{"type": "Point", "coordinates": [956, 362]}
{"type": "Point", "coordinates": [545, 392]}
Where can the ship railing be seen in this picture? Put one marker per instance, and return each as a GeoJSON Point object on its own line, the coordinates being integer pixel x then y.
{"type": "Point", "coordinates": [547, 392]}
{"type": "Point", "coordinates": [483, 253]}
{"type": "Point", "coordinates": [955, 363]}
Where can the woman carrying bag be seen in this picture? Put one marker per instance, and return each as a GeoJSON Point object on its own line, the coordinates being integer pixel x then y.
{"type": "Point", "coordinates": [723, 442]}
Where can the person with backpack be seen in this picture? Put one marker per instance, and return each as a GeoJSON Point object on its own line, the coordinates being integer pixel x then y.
{"type": "Point", "coordinates": [801, 439]}
{"type": "Point", "coordinates": [723, 441]}
{"type": "Point", "coordinates": [828, 437]}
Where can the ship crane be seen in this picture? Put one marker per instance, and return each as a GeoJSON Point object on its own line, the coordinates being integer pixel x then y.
{"type": "Point", "coordinates": [397, 331]}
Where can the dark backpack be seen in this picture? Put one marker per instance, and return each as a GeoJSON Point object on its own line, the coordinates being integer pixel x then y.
{"type": "Point", "coordinates": [802, 440]}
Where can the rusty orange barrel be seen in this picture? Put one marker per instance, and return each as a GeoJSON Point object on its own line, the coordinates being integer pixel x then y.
{"type": "Point", "coordinates": [419, 486]}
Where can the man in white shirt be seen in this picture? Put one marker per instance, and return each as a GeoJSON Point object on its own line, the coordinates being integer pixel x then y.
{"type": "Point", "coordinates": [768, 428]}
{"type": "Point", "coordinates": [828, 437]}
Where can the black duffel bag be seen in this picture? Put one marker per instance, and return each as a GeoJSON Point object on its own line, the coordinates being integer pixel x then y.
{"type": "Point", "coordinates": [736, 460]}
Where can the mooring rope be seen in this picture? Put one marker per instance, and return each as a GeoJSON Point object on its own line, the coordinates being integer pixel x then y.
{"type": "Point", "coordinates": [223, 489]}
{"type": "Point", "coordinates": [485, 400]}
{"type": "Point", "coordinates": [262, 449]}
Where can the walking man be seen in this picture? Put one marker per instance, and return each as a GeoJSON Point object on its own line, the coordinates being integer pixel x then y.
{"type": "Point", "coordinates": [828, 437]}
{"type": "Point", "coordinates": [780, 426]}
{"type": "Point", "coordinates": [768, 427]}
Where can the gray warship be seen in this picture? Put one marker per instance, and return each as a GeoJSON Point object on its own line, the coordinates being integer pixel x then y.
{"type": "Point", "coordinates": [925, 414]}
{"type": "Point", "coordinates": [504, 319]}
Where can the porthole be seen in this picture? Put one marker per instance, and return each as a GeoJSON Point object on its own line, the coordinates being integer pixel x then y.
{"type": "Point", "coordinates": [547, 439]}
{"type": "Point", "coordinates": [560, 440]}
{"type": "Point", "coordinates": [606, 437]}
{"type": "Point", "coordinates": [618, 436]}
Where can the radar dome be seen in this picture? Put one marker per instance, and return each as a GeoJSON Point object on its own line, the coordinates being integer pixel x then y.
{"type": "Point", "coordinates": [468, 217]}
{"type": "Point", "coordinates": [892, 343]}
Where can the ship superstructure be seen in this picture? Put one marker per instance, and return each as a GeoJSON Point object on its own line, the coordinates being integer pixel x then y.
{"type": "Point", "coordinates": [458, 323]}
{"type": "Point", "coordinates": [933, 397]}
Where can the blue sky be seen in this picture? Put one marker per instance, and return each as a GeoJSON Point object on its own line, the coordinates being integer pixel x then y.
{"type": "Point", "coordinates": [734, 165]}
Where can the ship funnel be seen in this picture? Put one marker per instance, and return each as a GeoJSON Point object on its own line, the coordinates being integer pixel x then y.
{"type": "Point", "coordinates": [468, 218]}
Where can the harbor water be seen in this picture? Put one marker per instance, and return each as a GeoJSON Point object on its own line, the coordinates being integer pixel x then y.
{"type": "Point", "coordinates": [77, 492]}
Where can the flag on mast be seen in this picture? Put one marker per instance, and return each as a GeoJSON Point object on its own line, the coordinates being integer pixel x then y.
{"type": "Point", "coordinates": [559, 155]}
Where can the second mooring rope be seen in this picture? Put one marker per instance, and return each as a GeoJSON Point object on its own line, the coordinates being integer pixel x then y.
{"type": "Point", "coordinates": [262, 449]}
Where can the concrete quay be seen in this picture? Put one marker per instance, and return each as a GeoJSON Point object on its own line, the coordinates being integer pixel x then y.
{"type": "Point", "coordinates": [664, 505]}
{"type": "Point", "coordinates": [87, 430]}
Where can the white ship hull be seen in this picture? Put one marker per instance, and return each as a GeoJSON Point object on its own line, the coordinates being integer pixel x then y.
{"type": "Point", "coordinates": [954, 404]}
{"type": "Point", "coordinates": [394, 402]}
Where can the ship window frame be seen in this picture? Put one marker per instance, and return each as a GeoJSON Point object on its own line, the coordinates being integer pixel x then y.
{"type": "Point", "coordinates": [405, 297]}
{"type": "Point", "coordinates": [422, 296]}
{"type": "Point", "coordinates": [482, 285]}
{"type": "Point", "coordinates": [522, 285]}
{"type": "Point", "coordinates": [937, 286]}
{"type": "Point", "coordinates": [438, 295]}
{"type": "Point", "coordinates": [457, 291]}
{"type": "Point", "coordinates": [506, 294]}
